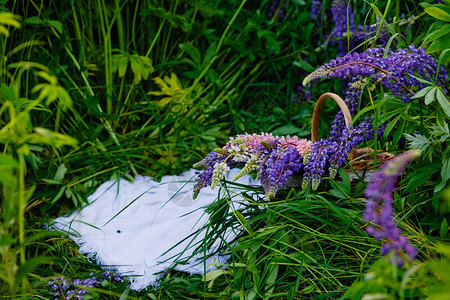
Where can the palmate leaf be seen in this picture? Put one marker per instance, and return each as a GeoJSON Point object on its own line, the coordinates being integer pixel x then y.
{"type": "Point", "coordinates": [141, 66]}
{"type": "Point", "coordinates": [52, 91]}
{"type": "Point", "coordinates": [48, 137]}
{"type": "Point", "coordinates": [429, 97]}
{"type": "Point", "coordinates": [441, 132]}
{"type": "Point", "coordinates": [418, 142]}
{"type": "Point", "coordinates": [170, 87]}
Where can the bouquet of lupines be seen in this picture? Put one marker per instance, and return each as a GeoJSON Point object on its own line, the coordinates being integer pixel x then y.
{"type": "Point", "coordinates": [275, 159]}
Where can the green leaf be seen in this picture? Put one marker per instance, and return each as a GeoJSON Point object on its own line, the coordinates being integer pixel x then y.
{"type": "Point", "coordinates": [125, 293]}
{"type": "Point", "coordinates": [271, 279]}
{"type": "Point", "coordinates": [60, 173]}
{"type": "Point", "coordinates": [421, 80]}
{"type": "Point", "coordinates": [213, 275]}
{"type": "Point", "coordinates": [290, 129]}
{"type": "Point", "coordinates": [417, 142]}
{"type": "Point", "coordinates": [60, 193]}
{"type": "Point", "coordinates": [443, 7]}
{"type": "Point", "coordinates": [445, 174]}
{"type": "Point", "coordinates": [366, 109]}
{"type": "Point", "coordinates": [193, 52]}
{"type": "Point", "coordinates": [49, 137]}
{"type": "Point", "coordinates": [339, 190]}
{"type": "Point", "coordinates": [304, 65]}
{"type": "Point", "coordinates": [422, 92]}
{"type": "Point", "coordinates": [390, 126]}
{"type": "Point", "coordinates": [439, 44]}
{"type": "Point", "coordinates": [399, 131]}
{"type": "Point", "coordinates": [135, 67]}
{"type": "Point", "coordinates": [388, 45]}
{"type": "Point", "coordinates": [33, 20]}
{"type": "Point", "coordinates": [441, 31]}
{"type": "Point", "coordinates": [444, 229]}
{"type": "Point", "coordinates": [430, 96]}
{"type": "Point", "coordinates": [345, 180]}
{"type": "Point", "coordinates": [28, 267]}
{"type": "Point", "coordinates": [443, 101]}
{"type": "Point", "coordinates": [9, 19]}
{"type": "Point", "coordinates": [438, 13]}
{"type": "Point", "coordinates": [419, 177]}
{"type": "Point", "coordinates": [441, 132]}
{"type": "Point", "coordinates": [444, 58]}
{"type": "Point", "coordinates": [122, 64]}
{"type": "Point", "coordinates": [55, 24]}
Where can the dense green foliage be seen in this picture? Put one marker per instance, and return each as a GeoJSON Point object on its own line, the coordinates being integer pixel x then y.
{"type": "Point", "coordinates": [97, 90]}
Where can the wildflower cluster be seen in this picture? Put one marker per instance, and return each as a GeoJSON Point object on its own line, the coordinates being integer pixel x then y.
{"type": "Point", "coordinates": [392, 71]}
{"type": "Point", "coordinates": [347, 35]}
{"type": "Point", "coordinates": [379, 209]}
{"type": "Point", "coordinates": [332, 153]}
{"type": "Point", "coordinates": [340, 11]}
{"type": "Point", "coordinates": [275, 159]}
{"type": "Point", "coordinates": [277, 8]}
{"type": "Point", "coordinates": [76, 289]}
{"type": "Point", "coordinates": [316, 6]}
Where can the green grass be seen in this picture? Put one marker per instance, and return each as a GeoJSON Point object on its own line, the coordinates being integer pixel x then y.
{"type": "Point", "coordinates": [96, 90]}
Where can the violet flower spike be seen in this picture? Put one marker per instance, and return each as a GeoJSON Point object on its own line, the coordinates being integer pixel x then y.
{"type": "Point", "coordinates": [379, 210]}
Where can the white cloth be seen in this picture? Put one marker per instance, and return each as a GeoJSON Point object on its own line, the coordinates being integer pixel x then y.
{"type": "Point", "coordinates": [128, 226]}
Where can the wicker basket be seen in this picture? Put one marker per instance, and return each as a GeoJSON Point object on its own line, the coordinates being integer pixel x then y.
{"type": "Point", "coordinates": [361, 160]}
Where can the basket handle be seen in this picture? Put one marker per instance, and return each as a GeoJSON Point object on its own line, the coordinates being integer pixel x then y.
{"type": "Point", "coordinates": [318, 108]}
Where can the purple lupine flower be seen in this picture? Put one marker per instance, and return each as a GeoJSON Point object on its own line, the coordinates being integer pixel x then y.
{"type": "Point", "coordinates": [275, 158]}
{"type": "Point", "coordinates": [277, 8]}
{"type": "Point", "coordinates": [302, 93]}
{"type": "Point", "coordinates": [113, 276]}
{"type": "Point", "coordinates": [379, 209]}
{"type": "Point", "coordinates": [316, 6]}
{"type": "Point", "coordinates": [315, 166]}
{"type": "Point", "coordinates": [340, 10]}
{"type": "Point", "coordinates": [392, 72]}
{"type": "Point", "coordinates": [74, 289]}
{"type": "Point", "coordinates": [205, 178]}
{"type": "Point", "coordinates": [278, 167]}
{"type": "Point", "coordinates": [351, 36]}
{"type": "Point", "coordinates": [364, 33]}
{"type": "Point", "coordinates": [332, 153]}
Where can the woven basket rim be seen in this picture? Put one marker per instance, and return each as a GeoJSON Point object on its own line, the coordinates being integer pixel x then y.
{"type": "Point", "coordinates": [357, 156]}
{"type": "Point", "coordinates": [318, 108]}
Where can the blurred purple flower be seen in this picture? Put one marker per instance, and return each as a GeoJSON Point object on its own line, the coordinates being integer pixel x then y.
{"type": "Point", "coordinates": [277, 8]}
{"type": "Point", "coordinates": [340, 10]}
{"type": "Point", "coordinates": [316, 6]}
{"type": "Point", "coordinates": [74, 289]}
{"type": "Point", "coordinates": [379, 209]}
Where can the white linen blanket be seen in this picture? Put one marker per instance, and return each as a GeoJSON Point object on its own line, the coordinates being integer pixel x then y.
{"type": "Point", "coordinates": [128, 226]}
